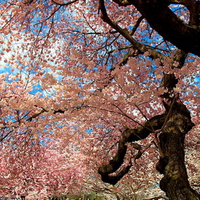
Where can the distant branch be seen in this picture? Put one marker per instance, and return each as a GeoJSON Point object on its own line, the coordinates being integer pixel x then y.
{"type": "Point", "coordinates": [6, 135]}
{"type": "Point", "coordinates": [137, 25]}
{"type": "Point", "coordinates": [37, 114]}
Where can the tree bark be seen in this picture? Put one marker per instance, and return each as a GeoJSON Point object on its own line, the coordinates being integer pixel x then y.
{"type": "Point", "coordinates": [128, 135]}
{"type": "Point", "coordinates": [175, 181]}
{"type": "Point", "coordinates": [174, 125]}
{"type": "Point", "coordinates": [168, 25]}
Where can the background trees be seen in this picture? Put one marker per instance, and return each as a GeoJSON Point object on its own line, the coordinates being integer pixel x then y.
{"type": "Point", "coordinates": [102, 75]}
{"type": "Point", "coordinates": [38, 171]}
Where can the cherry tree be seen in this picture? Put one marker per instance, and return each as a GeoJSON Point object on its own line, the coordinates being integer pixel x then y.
{"type": "Point", "coordinates": [38, 171]}
{"type": "Point", "coordinates": [118, 80]}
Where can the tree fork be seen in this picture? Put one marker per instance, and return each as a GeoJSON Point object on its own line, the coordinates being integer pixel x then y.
{"type": "Point", "coordinates": [157, 13]}
{"type": "Point", "coordinates": [171, 140]}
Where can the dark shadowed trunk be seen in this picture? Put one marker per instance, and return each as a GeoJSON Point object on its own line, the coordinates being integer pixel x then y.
{"type": "Point", "coordinates": [171, 165]}
{"type": "Point", "coordinates": [174, 125]}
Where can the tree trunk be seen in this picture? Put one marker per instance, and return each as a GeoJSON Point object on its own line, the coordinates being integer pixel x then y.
{"type": "Point", "coordinates": [175, 181]}
{"type": "Point", "coordinates": [174, 125]}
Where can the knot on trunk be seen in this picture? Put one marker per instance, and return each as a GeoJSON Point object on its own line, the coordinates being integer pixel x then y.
{"type": "Point", "coordinates": [160, 166]}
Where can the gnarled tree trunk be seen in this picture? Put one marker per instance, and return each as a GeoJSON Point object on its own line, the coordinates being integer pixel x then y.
{"type": "Point", "coordinates": [175, 181]}
{"type": "Point", "coordinates": [174, 125]}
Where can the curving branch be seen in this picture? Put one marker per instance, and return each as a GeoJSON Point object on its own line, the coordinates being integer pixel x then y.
{"type": "Point", "coordinates": [128, 35]}
{"type": "Point", "coordinates": [169, 25]}
{"type": "Point", "coordinates": [128, 135]}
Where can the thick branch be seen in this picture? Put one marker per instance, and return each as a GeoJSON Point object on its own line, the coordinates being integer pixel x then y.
{"type": "Point", "coordinates": [129, 135]}
{"type": "Point", "coordinates": [175, 181]}
{"type": "Point", "coordinates": [125, 33]}
{"type": "Point", "coordinates": [169, 26]}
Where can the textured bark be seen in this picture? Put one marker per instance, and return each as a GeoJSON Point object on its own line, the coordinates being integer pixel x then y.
{"type": "Point", "coordinates": [129, 135]}
{"type": "Point", "coordinates": [174, 125]}
{"type": "Point", "coordinates": [169, 26]}
{"type": "Point", "coordinates": [175, 181]}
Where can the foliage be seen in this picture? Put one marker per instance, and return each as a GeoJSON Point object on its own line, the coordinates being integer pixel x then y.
{"type": "Point", "coordinates": [99, 83]}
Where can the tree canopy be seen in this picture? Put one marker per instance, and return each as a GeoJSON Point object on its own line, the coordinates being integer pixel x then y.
{"type": "Point", "coordinates": [111, 82]}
